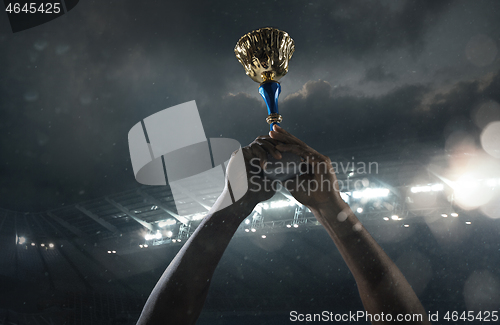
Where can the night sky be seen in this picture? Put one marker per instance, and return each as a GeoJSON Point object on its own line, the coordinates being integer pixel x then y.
{"type": "Point", "coordinates": [363, 73]}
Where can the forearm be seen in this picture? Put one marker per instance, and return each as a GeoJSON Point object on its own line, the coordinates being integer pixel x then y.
{"type": "Point", "coordinates": [180, 293]}
{"type": "Point", "coordinates": [382, 286]}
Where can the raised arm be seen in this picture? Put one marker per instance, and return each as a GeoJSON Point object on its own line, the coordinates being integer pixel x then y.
{"type": "Point", "coordinates": [381, 285]}
{"type": "Point", "coordinates": [179, 295]}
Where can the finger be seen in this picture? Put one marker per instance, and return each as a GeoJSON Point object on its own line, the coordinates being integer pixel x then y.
{"type": "Point", "coordinates": [261, 154]}
{"type": "Point", "coordinates": [291, 140]}
{"type": "Point", "coordinates": [269, 148]}
{"type": "Point", "coordinates": [304, 152]}
{"type": "Point", "coordinates": [281, 137]}
{"type": "Point", "coordinates": [285, 138]}
{"type": "Point", "coordinates": [268, 138]}
{"type": "Point", "coordinates": [309, 155]}
{"type": "Point", "coordinates": [279, 129]}
{"type": "Point", "coordinates": [293, 148]}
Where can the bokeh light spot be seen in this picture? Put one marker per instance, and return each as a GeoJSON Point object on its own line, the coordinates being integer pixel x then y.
{"type": "Point", "coordinates": [486, 113]}
{"type": "Point", "coordinates": [482, 291]}
{"type": "Point", "coordinates": [490, 139]}
{"type": "Point", "coordinates": [481, 50]}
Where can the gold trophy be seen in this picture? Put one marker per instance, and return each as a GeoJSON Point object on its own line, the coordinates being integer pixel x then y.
{"type": "Point", "coordinates": [265, 54]}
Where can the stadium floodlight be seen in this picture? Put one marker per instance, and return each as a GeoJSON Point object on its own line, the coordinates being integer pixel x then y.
{"type": "Point", "coordinates": [153, 236]}
{"type": "Point", "coordinates": [198, 216]}
{"type": "Point", "coordinates": [437, 187]}
{"type": "Point", "coordinates": [386, 218]}
{"type": "Point", "coordinates": [51, 245]}
{"type": "Point", "coordinates": [281, 204]}
{"type": "Point", "coordinates": [167, 222]}
{"type": "Point", "coordinates": [263, 236]}
{"type": "Point", "coordinates": [370, 193]}
{"type": "Point", "coordinates": [169, 234]}
{"type": "Point", "coordinates": [359, 210]}
{"type": "Point", "coordinates": [253, 230]}
{"type": "Point", "coordinates": [444, 215]}
{"type": "Point", "coordinates": [427, 188]}
{"type": "Point", "coordinates": [454, 214]}
{"type": "Point", "coordinates": [276, 204]}
{"type": "Point", "coordinates": [247, 221]}
{"type": "Point", "coordinates": [418, 189]}
{"type": "Point", "coordinates": [395, 217]}
{"type": "Point", "coordinates": [22, 240]}
{"type": "Point", "coordinates": [468, 222]}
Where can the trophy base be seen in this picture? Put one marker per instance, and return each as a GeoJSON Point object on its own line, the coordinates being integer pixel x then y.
{"type": "Point", "coordinates": [283, 169]}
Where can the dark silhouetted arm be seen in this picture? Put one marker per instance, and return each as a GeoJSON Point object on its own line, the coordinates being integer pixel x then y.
{"type": "Point", "coordinates": [381, 285]}
{"type": "Point", "coordinates": [179, 295]}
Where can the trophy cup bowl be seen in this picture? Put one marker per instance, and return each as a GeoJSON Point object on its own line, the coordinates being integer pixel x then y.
{"type": "Point", "coordinates": [265, 54]}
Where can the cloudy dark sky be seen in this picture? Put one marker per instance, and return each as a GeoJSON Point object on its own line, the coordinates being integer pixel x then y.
{"type": "Point", "coordinates": [364, 72]}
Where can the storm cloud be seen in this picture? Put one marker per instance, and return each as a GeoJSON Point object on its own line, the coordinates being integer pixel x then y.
{"type": "Point", "coordinates": [363, 73]}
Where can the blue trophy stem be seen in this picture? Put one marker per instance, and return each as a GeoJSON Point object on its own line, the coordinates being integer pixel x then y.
{"type": "Point", "coordinates": [270, 91]}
